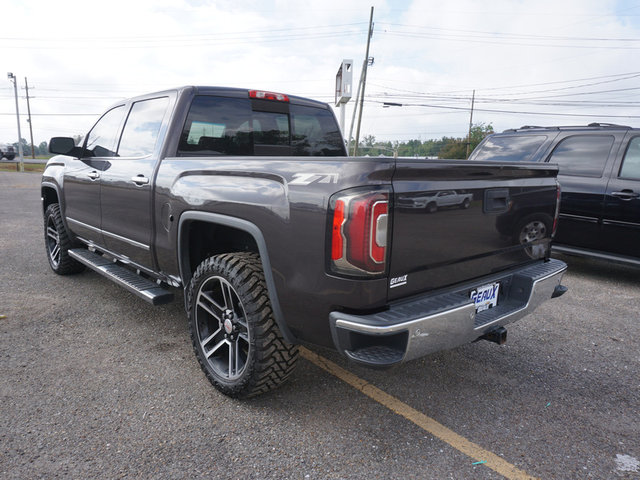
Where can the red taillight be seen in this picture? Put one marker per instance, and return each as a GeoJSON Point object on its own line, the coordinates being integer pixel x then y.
{"type": "Point", "coordinates": [557, 213]}
{"type": "Point", "coordinates": [359, 233]}
{"type": "Point", "coordinates": [280, 97]}
{"type": "Point", "coordinates": [336, 233]}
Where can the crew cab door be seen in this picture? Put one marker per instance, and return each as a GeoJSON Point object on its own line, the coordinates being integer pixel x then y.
{"type": "Point", "coordinates": [621, 218]}
{"type": "Point", "coordinates": [82, 177]}
{"type": "Point", "coordinates": [127, 185]}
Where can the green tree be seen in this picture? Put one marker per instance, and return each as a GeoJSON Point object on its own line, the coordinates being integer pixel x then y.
{"type": "Point", "coordinates": [457, 147]}
{"type": "Point", "coordinates": [43, 148]}
{"type": "Point", "coordinates": [454, 148]}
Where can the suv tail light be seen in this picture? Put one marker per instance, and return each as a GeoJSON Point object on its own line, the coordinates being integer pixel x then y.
{"type": "Point", "coordinates": [359, 236]}
{"type": "Point", "coordinates": [557, 213]}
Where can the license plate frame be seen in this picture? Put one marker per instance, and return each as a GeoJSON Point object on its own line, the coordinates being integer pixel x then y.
{"type": "Point", "coordinates": [485, 296]}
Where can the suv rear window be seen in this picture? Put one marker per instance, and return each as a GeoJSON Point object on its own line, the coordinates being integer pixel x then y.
{"type": "Point", "coordinates": [509, 148]}
{"type": "Point", "coordinates": [229, 126]}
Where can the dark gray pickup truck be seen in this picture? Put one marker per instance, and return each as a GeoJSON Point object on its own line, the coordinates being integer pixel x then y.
{"type": "Point", "coordinates": [248, 202]}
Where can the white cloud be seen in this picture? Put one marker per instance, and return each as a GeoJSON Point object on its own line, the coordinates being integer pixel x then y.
{"type": "Point", "coordinates": [81, 57]}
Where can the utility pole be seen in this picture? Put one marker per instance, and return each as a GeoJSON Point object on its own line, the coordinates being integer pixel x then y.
{"type": "Point", "coordinates": [12, 77]}
{"type": "Point", "coordinates": [355, 109]}
{"type": "Point", "coordinates": [364, 82]}
{"type": "Point", "coordinates": [473, 99]}
{"type": "Point", "coordinates": [26, 87]}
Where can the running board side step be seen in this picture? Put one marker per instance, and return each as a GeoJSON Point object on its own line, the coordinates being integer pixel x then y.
{"type": "Point", "coordinates": [140, 286]}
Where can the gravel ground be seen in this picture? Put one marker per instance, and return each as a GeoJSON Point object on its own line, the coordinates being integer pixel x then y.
{"type": "Point", "coordinates": [95, 383]}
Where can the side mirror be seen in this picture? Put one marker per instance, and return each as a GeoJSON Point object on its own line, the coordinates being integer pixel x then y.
{"type": "Point", "coordinates": [63, 146]}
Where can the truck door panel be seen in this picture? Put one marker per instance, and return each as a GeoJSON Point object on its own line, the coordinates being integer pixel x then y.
{"type": "Point", "coordinates": [126, 196]}
{"type": "Point", "coordinates": [82, 177]}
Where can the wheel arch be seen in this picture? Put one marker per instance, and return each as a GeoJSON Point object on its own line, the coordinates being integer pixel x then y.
{"type": "Point", "coordinates": [246, 236]}
{"type": "Point", "coordinates": [49, 194]}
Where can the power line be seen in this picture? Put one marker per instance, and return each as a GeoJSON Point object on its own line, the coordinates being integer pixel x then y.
{"type": "Point", "coordinates": [513, 112]}
{"type": "Point", "coordinates": [485, 34]}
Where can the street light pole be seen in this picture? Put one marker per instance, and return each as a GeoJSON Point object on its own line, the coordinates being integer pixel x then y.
{"type": "Point", "coordinates": [12, 77]}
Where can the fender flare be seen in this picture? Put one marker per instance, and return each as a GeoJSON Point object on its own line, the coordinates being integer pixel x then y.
{"type": "Point", "coordinates": [256, 233]}
{"type": "Point", "coordinates": [57, 189]}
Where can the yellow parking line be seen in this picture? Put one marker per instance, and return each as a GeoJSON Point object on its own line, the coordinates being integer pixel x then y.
{"type": "Point", "coordinates": [428, 424]}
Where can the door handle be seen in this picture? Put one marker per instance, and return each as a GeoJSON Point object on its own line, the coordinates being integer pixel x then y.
{"type": "Point", "coordinates": [140, 180]}
{"type": "Point", "coordinates": [626, 194]}
{"type": "Point", "coordinates": [93, 175]}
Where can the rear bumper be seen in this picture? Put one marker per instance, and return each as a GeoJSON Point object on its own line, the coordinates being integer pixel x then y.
{"type": "Point", "coordinates": [441, 321]}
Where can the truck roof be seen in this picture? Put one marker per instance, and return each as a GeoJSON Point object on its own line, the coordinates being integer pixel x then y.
{"type": "Point", "coordinates": [228, 92]}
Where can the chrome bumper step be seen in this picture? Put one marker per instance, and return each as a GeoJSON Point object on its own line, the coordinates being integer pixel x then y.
{"type": "Point", "coordinates": [416, 327]}
{"type": "Point", "coordinates": [136, 284]}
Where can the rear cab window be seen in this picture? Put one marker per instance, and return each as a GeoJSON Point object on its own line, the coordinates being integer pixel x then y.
{"type": "Point", "coordinates": [218, 125]}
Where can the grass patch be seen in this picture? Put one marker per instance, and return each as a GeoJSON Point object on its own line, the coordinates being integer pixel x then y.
{"type": "Point", "coordinates": [28, 167]}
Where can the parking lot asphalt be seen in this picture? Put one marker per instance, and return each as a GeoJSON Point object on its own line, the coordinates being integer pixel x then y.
{"type": "Point", "coordinates": [95, 383]}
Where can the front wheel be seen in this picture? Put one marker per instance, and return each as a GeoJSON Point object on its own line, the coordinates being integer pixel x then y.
{"type": "Point", "coordinates": [58, 243]}
{"type": "Point", "coordinates": [235, 337]}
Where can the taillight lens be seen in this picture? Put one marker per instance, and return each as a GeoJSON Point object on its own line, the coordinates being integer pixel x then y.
{"type": "Point", "coordinates": [557, 213]}
{"type": "Point", "coordinates": [359, 232]}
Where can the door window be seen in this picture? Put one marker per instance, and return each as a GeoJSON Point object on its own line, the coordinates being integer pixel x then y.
{"type": "Point", "coordinates": [583, 155]}
{"type": "Point", "coordinates": [631, 163]}
{"type": "Point", "coordinates": [143, 125]}
{"type": "Point", "coordinates": [102, 139]}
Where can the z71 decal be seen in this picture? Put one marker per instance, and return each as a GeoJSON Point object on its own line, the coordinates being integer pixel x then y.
{"type": "Point", "coordinates": [309, 178]}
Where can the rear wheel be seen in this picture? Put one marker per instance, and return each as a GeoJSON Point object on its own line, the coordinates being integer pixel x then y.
{"type": "Point", "coordinates": [58, 243]}
{"type": "Point", "coordinates": [235, 337]}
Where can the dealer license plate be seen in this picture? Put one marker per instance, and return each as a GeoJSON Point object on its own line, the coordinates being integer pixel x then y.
{"type": "Point", "coordinates": [485, 297]}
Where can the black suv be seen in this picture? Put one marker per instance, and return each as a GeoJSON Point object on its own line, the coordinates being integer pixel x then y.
{"type": "Point", "coordinates": [600, 177]}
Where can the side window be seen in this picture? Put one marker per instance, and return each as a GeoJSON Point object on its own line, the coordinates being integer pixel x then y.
{"type": "Point", "coordinates": [582, 155]}
{"type": "Point", "coordinates": [217, 126]}
{"type": "Point", "coordinates": [102, 139]}
{"type": "Point", "coordinates": [143, 125]}
{"type": "Point", "coordinates": [631, 163]}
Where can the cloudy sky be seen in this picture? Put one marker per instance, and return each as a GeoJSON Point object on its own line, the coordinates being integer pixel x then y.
{"type": "Point", "coordinates": [537, 62]}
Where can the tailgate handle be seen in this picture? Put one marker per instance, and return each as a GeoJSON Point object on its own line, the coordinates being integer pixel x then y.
{"type": "Point", "coordinates": [496, 200]}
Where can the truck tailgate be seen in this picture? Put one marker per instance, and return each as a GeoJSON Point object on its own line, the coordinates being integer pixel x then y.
{"type": "Point", "coordinates": [454, 221]}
